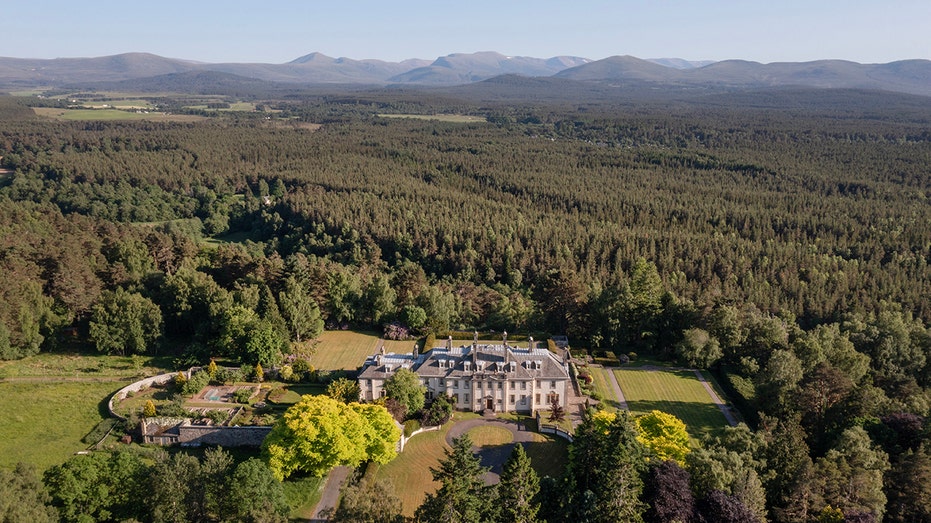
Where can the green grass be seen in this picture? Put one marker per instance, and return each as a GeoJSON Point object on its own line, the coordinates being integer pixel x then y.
{"type": "Point", "coordinates": [83, 366]}
{"type": "Point", "coordinates": [303, 494]}
{"type": "Point", "coordinates": [345, 350]}
{"type": "Point", "coordinates": [603, 387]}
{"type": "Point", "coordinates": [43, 423]}
{"type": "Point", "coordinates": [410, 471]}
{"type": "Point", "coordinates": [453, 118]}
{"type": "Point", "coordinates": [676, 392]}
{"type": "Point", "coordinates": [484, 436]}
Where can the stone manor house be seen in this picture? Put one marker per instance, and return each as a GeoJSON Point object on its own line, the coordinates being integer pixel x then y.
{"type": "Point", "coordinates": [498, 378]}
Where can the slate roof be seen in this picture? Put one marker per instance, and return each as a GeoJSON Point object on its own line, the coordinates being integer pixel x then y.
{"type": "Point", "coordinates": [468, 361]}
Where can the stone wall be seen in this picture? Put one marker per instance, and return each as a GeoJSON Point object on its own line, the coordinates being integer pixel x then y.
{"type": "Point", "coordinates": [196, 435]}
{"type": "Point", "coordinates": [161, 379]}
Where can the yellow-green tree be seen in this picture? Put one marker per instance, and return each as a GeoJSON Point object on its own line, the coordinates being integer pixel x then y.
{"type": "Point", "coordinates": [665, 435]}
{"type": "Point", "coordinates": [319, 433]}
{"type": "Point", "coordinates": [148, 410]}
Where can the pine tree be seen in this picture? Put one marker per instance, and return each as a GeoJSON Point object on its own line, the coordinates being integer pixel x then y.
{"type": "Point", "coordinates": [460, 496]}
{"type": "Point", "coordinates": [517, 489]}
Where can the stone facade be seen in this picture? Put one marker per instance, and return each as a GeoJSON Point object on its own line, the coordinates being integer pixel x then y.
{"type": "Point", "coordinates": [500, 378]}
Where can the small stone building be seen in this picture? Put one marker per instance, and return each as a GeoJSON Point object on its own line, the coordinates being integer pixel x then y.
{"type": "Point", "coordinates": [499, 378]}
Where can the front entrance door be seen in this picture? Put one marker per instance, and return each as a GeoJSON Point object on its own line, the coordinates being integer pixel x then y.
{"type": "Point", "coordinates": [490, 404]}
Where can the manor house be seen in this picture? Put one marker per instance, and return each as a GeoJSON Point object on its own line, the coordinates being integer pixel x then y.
{"type": "Point", "coordinates": [499, 378]}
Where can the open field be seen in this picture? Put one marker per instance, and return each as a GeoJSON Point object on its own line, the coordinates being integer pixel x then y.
{"type": "Point", "coordinates": [677, 392]}
{"type": "Point", "coordinates": [43, 422]}
{"type": "Point", "coordinates": [343, 349]}
{"type": "Point", "coordinates": [82, 366]}
{"type": "Point", "coordinates": [112, 114]}
{"type": "Point", "coordinates": [453, 118]}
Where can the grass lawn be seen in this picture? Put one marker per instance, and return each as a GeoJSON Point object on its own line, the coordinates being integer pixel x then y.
{"type": "Point", "coordinates": [600, 381]}
{"type": "Point", "coordinates": [343, 350]}
{"type": "Point", "coordinates": [676, 392]}
{"type": "Point", "coordinates": [303, 494]}
{"type": "Point", "coordinates": [43, 423]}
{"type": "Point", "coordinates": [484, 436]}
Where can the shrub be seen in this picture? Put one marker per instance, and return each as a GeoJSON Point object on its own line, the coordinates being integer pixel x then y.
{"type": "Point", "coordinates": [439, 411]}
{"type": "Point", "coordinates": [285, 373]}
{"type": "Point", "coordinates": [632, 356]}
{"type": "Point", "coordinates": [98, 432]}
{"type": "Point", "coordinates": [410, 426]}
{"type": "Point", "coordinates": [180, 380]}
{"type": "Point", "coordinates": [259, 374]}
{"type": "Point", "coordinates": [396, 331]}
{"type": "Point", "coordinates": [175, 408]}
{"type": "Point", "coordinates": [149, 409]}
{"type": "Point", "coordinates": [197, 382]}
{"type": "Point", "coordinates": [217, 416]}
{"type": "Point", "coordinates": [229, 376]}
{"type": "Point", "coordinates": [242, 395]}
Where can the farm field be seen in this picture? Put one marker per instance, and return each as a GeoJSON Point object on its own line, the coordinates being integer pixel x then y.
{"type": "Point", "coordinates": [43, 422]}
{"type": "Point", "coordinates": [677, 392]}
{"type": "Point", "coordinates": [111, 114]}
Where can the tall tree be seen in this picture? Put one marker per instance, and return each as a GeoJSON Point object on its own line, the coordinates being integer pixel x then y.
{"type": "Point", "coordinates": [125, 322]}
{"type": "Point", "coordinates": [319, 433]}
{"type": "Point", "coordinates": [368, 502]}
{"type": "Point", "coordinates": [23, 497]}
{"type": "Point", "coordinates": [518, 489]}
{"type": "Point", "coordinates": [255, 495]}
{"type": "Point", "coordinates": [405, 387]}
{"type": "Point", "coordinates": [460, 498]}
{"type": "Point", "coordinates": [300, 311]}
{"type": "Point", "coordinates": [850, 476]}
{"type": "Point", "coordinates": [666, 492]}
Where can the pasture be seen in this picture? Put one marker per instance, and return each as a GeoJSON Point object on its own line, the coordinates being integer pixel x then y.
{"type": "Point", "coordinates": [42, 422]}
{"type": "Point", "coordinates": [674, 391]}
{"type": "Point", "coordinates": [111, 115]}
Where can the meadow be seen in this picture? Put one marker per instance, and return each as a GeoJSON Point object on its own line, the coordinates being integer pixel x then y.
{"type": "Point", "coordinates": [43, 421]}
{"type": "Point", "coordinates": [450, 118]}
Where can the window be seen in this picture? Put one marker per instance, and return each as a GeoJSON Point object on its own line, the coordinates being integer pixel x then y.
{"type": "Point", "coordinates": [553, 384]}
{"type": "Point", "coordinates": [523, 399]}
{"type": "Point", "coordinates": [455, 384]}
{"type": "Point", "coordinates": [552, 397]}
{"type": "Point", "coordinates": [538, 398]}
{"type": "Point", "coordinates": [456, 399]}
{"type": "Point", "coordinates": [523, 385]}
{"type": "Point", "coordinates": [429, 395]}
{"type": "Point", "coordinates": [500, 385]}
{"type": "Point", "coordinates": [466, 398]}
{"type": "Point", "coordinates": [511, 399]}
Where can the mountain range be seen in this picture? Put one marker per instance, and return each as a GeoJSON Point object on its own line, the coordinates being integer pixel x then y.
{"type": "Point", "coordinates": [908, 76]}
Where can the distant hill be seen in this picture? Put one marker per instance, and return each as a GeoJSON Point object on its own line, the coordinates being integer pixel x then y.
{"type": "Point", "coordinates": [910, 76]}
{"type": "Point", "coordinates": [474, 67]}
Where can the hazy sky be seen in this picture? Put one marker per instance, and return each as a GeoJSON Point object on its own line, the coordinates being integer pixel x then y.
{"type": "Point", "coordinates": [276, 31]}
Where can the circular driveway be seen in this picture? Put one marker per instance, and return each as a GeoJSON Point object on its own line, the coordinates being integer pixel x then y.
{"type": "Point", "coordinates": [492, 456]}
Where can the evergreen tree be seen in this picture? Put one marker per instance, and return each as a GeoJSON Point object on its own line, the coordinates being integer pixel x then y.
{"type": "Point", "coordinates": [461, 496]}
{"type": "Point", "coordinates": [518, 488]}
